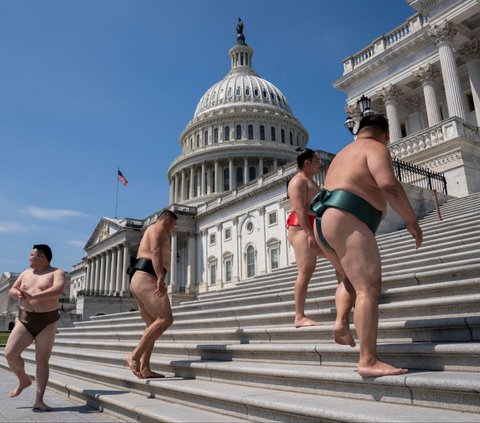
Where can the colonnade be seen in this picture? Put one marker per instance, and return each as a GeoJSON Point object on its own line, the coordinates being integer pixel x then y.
{"type": "Point", "coordinates": [442, 35]}
{"type": "Point", "coordinates": [217, 176]}
{"type": "Point", "coordinates": [106, 272]}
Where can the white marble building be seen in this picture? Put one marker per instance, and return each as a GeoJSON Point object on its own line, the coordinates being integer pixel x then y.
{"type": "Point", "coordinates": [425, 76]}
{"type": "Point", "coordinates": [228, 185]}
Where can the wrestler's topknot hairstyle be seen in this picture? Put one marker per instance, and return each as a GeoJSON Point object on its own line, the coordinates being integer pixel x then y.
{"type": "Point", "coordinates": [167, 213]}
{"type": "Point", "coordinates": [374, 121]}
{"type": "Point", "coordinates": [45, 250]}
{"type": "Point", "coordinates": [305, 154]}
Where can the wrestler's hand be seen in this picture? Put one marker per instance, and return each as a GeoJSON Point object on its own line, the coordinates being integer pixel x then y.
{"type": "Point", "coordinates": [312, 243]}
{"type": "Point", "coordinates": [161, 288]}
{"type": "Point", "coordinates": [416, 231]}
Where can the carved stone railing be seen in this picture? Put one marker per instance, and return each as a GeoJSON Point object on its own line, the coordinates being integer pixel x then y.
{"type": "Point", "coordinates": [384, 43]}
{"type": "Point", "coordinates": [430, 137]}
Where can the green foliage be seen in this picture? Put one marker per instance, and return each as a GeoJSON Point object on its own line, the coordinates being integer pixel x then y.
{"type": "Point", "coordinates": [4, 337]}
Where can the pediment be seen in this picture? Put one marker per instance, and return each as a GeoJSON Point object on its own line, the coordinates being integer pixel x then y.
{"type": "Point", "coordinates": [104, 229]}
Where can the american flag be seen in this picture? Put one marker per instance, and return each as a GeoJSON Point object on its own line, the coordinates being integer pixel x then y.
{"type": "Point", "coordinates": [122, 178]}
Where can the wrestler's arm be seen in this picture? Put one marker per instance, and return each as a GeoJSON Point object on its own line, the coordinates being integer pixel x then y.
{"type": "Point", "coordinates": [14, 291]}
{"type": "Point", "coordinates": [158, 236]}
{"type": "Point", "coordinates": [298, 191]}
{"type": "Point", "coordinates": [54, 291]}
{"type": "Point", "coordinates": [380, 166]}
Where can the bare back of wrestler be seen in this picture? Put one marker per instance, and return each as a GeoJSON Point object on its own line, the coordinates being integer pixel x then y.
{"type": "Point", "coordinates": [364, 168]}
{"type": "Point", "coordinates": [150, 292]}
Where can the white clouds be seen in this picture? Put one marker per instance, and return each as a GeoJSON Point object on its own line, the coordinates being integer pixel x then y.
{"type": "Point", "coordinates": [51, 214]}
{"type": "Point", "coordinates": [14, 228]}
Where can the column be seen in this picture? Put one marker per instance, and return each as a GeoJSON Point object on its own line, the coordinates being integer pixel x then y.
{"type": "Point", "coordinates": [113, 272]}
{"type": "Point", "coordinates": [182, 186]}
{"type": "Point", "coordinates": [173, 287]}
{"type": "Point", "coordinates": [443, 35]}
{"type": "Point", "coordinates": [101, 284]}
{"type": "Point", "coordinates": [118, 280]}
{"type": "Point", "coordinates": [202, 180]}
{"type": "Point", "coordinates": [172, 190]}
{"type": "Point", "coordinates": [260, 167]}
{"type": "Point", "coordinates": [245, 171]}
{"type": "Point", "coordinates": [88, 276]}
{"type": "Point", "coordinates": [190, 287]}
{"type": "Point", "coordinates": [217, 178]}
{"type": "Point", "coordinates": [126, 258]}
{"type": "Point", "coordinates": [426, 75]}
{"type": "Point", "coordinates": [390, 96]}
{"type": "Point", "coordinates": [108, 273]}
{"type": "Point", "coordinates": [471, 53]}
{"type": "Point", "coordinates": [176, 197]}
{"type": "Point", "coordinates": [97, 275]}
{"type": "Point", "coordinates": [209, 180]}
{"type": "Point", "coordinates": [232, 184]}
{"type": "Point", "coordinates": [190, 188]}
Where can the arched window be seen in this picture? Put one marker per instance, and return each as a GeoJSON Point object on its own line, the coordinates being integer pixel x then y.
{"type": "Point", "coordinates": [262, 132]}
{"type": "Point", "coordinates": [250, 132]}
{"type": "Point", "coordinates": [239, 173]}
{"type": "Point", "coordinates": [227, 133]}
{"type": "Point", "coordinates": [250, 261]}
{"type": "Point", "coordinates": [282, 134]}
{"type": "Point", "coordinates": [238, 132]}
{"type": "Point", "coordinates": [215, 135]}
{"type": "Point", "coordinates": [205, 138]}
{"type": "Point", "coordinates": [252, 173]}
{"type": "Point", "coordinates": [226, 179]}
{"type": "Point", "coordinates": [291, 138]}
{"type": "Point", "coordinates": [273, 134]}
{"type": "Point", "coordinates": [198, 140]}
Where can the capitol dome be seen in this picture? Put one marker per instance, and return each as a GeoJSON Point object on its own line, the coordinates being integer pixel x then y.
{"type": "Point", "coordinates": [242, 129]}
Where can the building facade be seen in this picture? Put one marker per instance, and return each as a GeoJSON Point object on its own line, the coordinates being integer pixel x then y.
{"type": "Point", "coordinates": [228, 185]}
{"type": "Point", "coordinates": [425, 76]}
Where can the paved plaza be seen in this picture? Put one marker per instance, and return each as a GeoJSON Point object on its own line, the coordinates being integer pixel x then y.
{"type": "Point", "coordinates": [19, 409]}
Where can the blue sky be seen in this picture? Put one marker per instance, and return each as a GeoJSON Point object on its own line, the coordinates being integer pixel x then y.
{"type": "Point", "coordinates": [87, 86]}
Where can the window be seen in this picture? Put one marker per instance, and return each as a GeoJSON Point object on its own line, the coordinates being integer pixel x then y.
{"type": "Point", "coordinates": [238, 132]}
{"type": "Point", "coordinates": [214, 188]}
{"type": "Point", "coordinates": [228, 234]}
{"type": "Point", "coordinates": [213, 273]}
{"type": "Point", "coordinates": [282, 134]}
{"type": "Point", "coordinates": [205, 138]}
{"type": "Point", "coordinates": [195, 186]}
{"type": "Point", "coordinates": [262, 133]}
{"type": "Point", "coordinates": [273, 135]}
{"type": "Point", "coordinates": [252, 173]}
{"type": "Point", "coordinates": [272, 218]}
{"type": "Point", "coordinates": [239, 176]}
{"type": "Point", "coordinates": [215, 135]}
{"type": "Point", "coordinates": [226, 179]}
{"type": "Point", "coordinates": [250, 261]}
{"type": "Point", "coordinates": [291, 138]}
{"type": "Point", "coordinates": [198, 140]}
{"type": "Point", "coordinates": [250, 132]}
{"type": "Point", "coordinates": [212, 239]}
{"type": "Point", "coordinates": [227, 133]}
{"type": "Point", "coordinates": [274, 258]}
{"type": "Point", "coordinates": [228, 269]}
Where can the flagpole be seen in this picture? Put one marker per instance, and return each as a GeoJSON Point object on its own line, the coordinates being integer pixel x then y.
{"type": "Point", "coordinates": [116, 195]}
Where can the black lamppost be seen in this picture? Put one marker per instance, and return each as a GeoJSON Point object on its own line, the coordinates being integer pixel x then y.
{"type": "Point", "coordinates": [364, 104]}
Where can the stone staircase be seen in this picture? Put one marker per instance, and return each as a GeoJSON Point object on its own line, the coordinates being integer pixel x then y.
{"type": "Point", "coordinates": [234, 355]}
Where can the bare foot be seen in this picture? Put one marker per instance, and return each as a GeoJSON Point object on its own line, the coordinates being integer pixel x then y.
{"type": "Point", "coordinates": [305, 321]}
{"type": "Point", "coordinates": [147, 373]}
{"type": "Point", "coordinates": [379, 368]}
{"type": "Point", "coordinates": [134, 366]}
{"type": "Point", "coordinates": [41, 406]}
{"type": "Point", "coordinates": [21, 386]}
{"type": "Point", "coordinates": [342, 334]}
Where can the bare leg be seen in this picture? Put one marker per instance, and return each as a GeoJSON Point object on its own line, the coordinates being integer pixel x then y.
{"type": "Point", "coordinates": [43, 350]}
{"type": "Point", "coordinates": [143, 287]}
{"type": "Point", "coordinates": [18, 341]}
{"type": "Point", "coordinates": [344, 301]}
{"type": "Point", "coordinates": [306, 259]}
{"type": "Point", "coordinates": [357, 251]}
